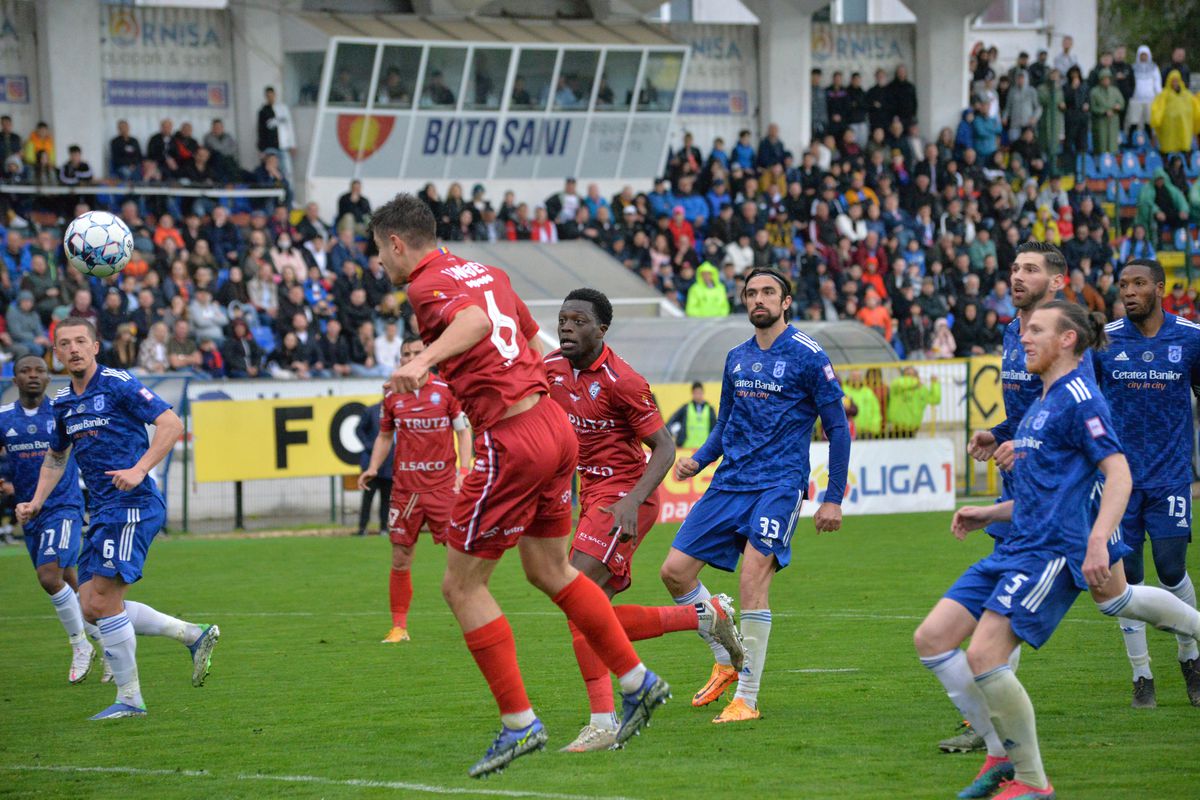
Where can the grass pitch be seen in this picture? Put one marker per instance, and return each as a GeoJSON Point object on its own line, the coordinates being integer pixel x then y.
{"type": "Point", "coordinates": [304, 701]}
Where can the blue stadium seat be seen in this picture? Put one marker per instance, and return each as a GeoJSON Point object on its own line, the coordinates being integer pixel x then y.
{"type": "Point", "coordinates": [265, 337]}
{"type": "Point", "coordinates": [1090, 170]}
{"type": "Point", "coordinates": [1106, 165]}
{"type": "Point", "coordinates": [1139, 141]}
{"type": "Point", "coordinates": [1128, 166]}
{"type": "Point", "coordinates": [1192, 167]}
{"type": "Point", "coordinates": [1110, 191]}
{"type": "Point", "coordinates": [1127, 196]}
{"type": "Point", "coordinates": [1179, 240]}
{"type": "Point", "coordinates": [1153, 161]}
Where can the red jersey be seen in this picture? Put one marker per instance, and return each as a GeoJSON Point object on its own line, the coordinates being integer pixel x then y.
{"type": "Point", "coordinates": [423, 422]}
{"type": "Point", "coordinates": [610, 407]}
{"type": "Point", "coordinates": [501, 369]}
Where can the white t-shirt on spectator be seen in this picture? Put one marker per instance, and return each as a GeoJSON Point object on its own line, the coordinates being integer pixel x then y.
{"type": "Point", "coordinates": [741, 257]}
{"type": "Point", "coordinates": [387, 353]}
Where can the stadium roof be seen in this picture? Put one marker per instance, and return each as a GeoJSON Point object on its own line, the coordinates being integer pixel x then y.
{"type": "Point", "coordinates": [486, 29]}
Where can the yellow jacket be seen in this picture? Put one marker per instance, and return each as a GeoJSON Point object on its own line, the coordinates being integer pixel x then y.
{"type": "Point", "coordinates": [1175, 116]}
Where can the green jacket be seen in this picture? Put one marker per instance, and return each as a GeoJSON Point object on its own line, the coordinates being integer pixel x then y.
{"type": "Point", "coordinates": [1194, 200]}
{"type": "Point", "coordinates": [1050, 124]}
{"type": "Point", "coordinates": [706, 301]}
{"type": "Point", "coordinates": [1148, 200]}
{"type": "Point", "coordinates": [1106, 130]}
{"type": "Point", "coordinates": [907, 399]}
{"type": "Point", "coordinates": [870, 417]}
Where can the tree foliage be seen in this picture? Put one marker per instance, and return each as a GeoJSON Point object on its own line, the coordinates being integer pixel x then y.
{"type": "Point", "coordinates": [1163, 25]}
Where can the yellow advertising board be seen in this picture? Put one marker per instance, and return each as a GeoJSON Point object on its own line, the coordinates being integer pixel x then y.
{"type": "Point", "coordinates": [985, 395]}
{"type": "Point", "coordinates": [242, 440]}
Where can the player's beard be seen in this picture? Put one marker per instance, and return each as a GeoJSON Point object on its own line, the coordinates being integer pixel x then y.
{"type": "Point", "coordinates": [764, 322]}
{"type": "Point", "coordinates": [1034, 301]}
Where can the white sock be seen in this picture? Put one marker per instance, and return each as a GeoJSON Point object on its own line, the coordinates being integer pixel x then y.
{"type": "Point", "coordinates": [952, 669]}
{"type": "Point", "coordinates": [756, 631]}
{"type": "Point", "coordinates": [1134, 632]}
{"type": "Point", "coordinates": [1156, 606]}
{"type": "Point", "coordinates": [66, 606]}
{"type": "Point", "coordinates": [518, 721]}
{"type": "Point", "coordinates": [1012, 716]}
{"type": "Point", "coordinates": [148, 622]}
{"type": "Point", "coordinates": [1014, 658]}
{"type": "Point", "coordinates": [632, 681]}
{"type": "Point", "coordinates": [1186, 592]}
{"type": "Point", "coordinates": [701, 595]}
{"type": "Point", "coordinates": [91, 630]}
{"type": "Point", "coordinates": [120, 648]}
{"type": "Point", "coordinates": [605, 722]}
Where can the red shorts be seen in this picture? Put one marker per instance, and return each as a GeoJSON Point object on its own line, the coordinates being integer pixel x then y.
{"type": "Point", "coordinates": [410, 511]}
{"type": "Point", "coordinates": [593, 536]}
{"type": "Point", "coordinates": [521, 483]}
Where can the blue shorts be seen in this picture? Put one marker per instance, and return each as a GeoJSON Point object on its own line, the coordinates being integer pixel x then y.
{"type": "Point", "coordinates": [1034, 591]}
{"type": "Point", "coordinates": [118, 541]}
{"type": "Point", "coordinates": [54, 537]}
{"type": "Point", "coordinates": [722, 522]}
{"type": "Point", "coordinates": [1163, 513]}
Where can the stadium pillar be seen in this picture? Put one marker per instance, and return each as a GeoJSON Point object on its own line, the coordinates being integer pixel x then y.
{"type": "Point", "coordinates": [69, 78]}
{"type": "Point", "coordinates": [784, 61]}
{"type": "Point", "coordinates": [258, 63]}
{"type": "Point", "coordinates": [941, 70]}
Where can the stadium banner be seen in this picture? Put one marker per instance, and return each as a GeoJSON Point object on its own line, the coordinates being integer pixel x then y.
{"type": "Point", "coordinates": [863, 49]}
{"type": "Point", "coordinates": [885, 477]}
{"type": "Point", "coordinates": [241, 440]}
{"type": "Point", "coordinates": [158, 62]}
{"type": "Point", "coordinates": [720, 91]}
{"type": "Point", "coordinates": [18, 64]}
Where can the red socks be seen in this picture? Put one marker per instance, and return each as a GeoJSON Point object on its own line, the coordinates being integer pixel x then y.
{"type": "Point", "coordinates": [595, 674]}
{"type": "Point", "coordinates": [650, 622]}
{"type": "Point", "coordinates": [400, 591]}
{"type": "Point", "coordinates": [586, 605]}
{"type": "Point", "coordinates": [495, 651]}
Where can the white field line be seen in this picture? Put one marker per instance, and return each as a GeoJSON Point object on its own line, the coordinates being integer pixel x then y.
{"type": "Point", "coordinates": [826, 671]}
{"type": "Point", "coordinates": [358, 783]}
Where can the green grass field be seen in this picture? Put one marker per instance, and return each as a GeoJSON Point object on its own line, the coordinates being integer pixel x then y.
{"type": "Point", "coordinates": [303, 701]}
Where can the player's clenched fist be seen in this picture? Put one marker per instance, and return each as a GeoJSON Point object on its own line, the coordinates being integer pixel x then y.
{"type": "Point", "coordinates": [982, 445]}
{"type": "Point", "coordinates": [409, 377]}
{"type": "Point", "coordinates": [26, 512]}
{"type": "Point", "coordinates": [828, 518]}
{"type": "Point", "coordinates": [685, 468]}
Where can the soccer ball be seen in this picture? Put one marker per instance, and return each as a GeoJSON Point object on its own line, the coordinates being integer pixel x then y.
{"type": "Point", "coordinates": [98, 244]}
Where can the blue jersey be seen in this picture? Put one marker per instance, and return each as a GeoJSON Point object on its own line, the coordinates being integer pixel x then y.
{"type": "Point", "coordinates": [27, 436]}
{"type": "Point", "coordinates": [1147, 382]}
{"type": "Point", "coordinates": [1059, 443]}
{"type": "Point", "coordinates": [770, 400]}
{"type": "Point", "coordinates": [1019, 386]}
{"type": "Point", "coordinates": [105, 427]}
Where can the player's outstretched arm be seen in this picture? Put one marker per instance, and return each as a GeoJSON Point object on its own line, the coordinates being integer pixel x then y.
{"type": "Point", "coordinates": [167, 429]}
{"type": "Point", "coordinates": [53, 466]}
{"type": "Point", "coordinates": [1118, 483]}
{"type": "Point", "coordinates": [467, 329]}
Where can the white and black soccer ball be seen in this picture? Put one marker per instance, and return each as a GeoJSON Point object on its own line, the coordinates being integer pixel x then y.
{"type": "Point", "coordinates": [98, 244]}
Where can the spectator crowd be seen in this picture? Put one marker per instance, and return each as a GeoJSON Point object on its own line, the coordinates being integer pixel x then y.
{"type": "Point", "coordinates": [873, 221]}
